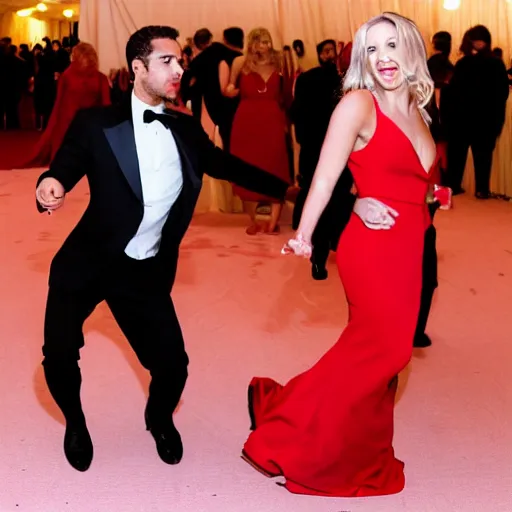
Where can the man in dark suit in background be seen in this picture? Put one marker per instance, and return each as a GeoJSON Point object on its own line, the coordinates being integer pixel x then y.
{"type": "Point", "coordinates": [144, 166]}
{"type": "Point", "coordinates": [207, 72]}
{"type": "Point", "coordinates": [317, 92]}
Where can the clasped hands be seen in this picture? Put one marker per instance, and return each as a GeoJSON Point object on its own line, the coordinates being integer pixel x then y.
{"type": "Point", "coordinates": [373, 213]}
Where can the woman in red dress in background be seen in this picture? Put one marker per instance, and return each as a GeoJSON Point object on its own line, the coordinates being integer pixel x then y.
{"type": "Point", "coordinates": [259, 128]}
{"type": "Point", "coordinates": [329, 431]}
{"type": "Point", "coordinates": [81, 86]}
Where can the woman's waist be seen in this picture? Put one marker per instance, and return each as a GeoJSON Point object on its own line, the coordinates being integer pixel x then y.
{"type": "Point", "coordinates": [418, 202]}
{"type": "Point", "coordinates": [260, 99]}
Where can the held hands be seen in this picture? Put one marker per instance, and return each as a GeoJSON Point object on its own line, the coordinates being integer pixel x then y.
{"type": "Point", "coordinates": [375, 214]}
{"type": "Point", "coordinates": [231, 91]}
{"type": "Point", "coordinates": [298, 246]}
{"type": "Point", "coordinates": [50, 194]}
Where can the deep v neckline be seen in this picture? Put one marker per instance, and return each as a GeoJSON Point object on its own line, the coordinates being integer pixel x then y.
{"type": "Point", "coordinates": [404, 135]}
{"type": "Point", "coordinates": [268, 79]}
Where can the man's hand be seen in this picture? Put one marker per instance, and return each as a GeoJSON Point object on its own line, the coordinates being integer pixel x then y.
{"type": "Point", "coordinates": [375, 214]}
{"type": "Point", "coordinates": [50, 194]}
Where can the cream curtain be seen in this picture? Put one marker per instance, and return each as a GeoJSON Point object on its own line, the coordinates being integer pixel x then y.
{"type": "Point", "coordinates": [108, 23]}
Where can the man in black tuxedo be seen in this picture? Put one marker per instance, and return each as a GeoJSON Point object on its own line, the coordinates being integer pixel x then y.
{"type": "Point", "coordinates": [144, 166]}
{"type": "Point", "coordinates": [204, 78]}
{"type": "Point", "coordinates": [317, 93]}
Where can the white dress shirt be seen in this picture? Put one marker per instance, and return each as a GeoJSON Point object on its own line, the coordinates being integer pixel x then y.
{"type": "Point", "coordinates": [161, 177]}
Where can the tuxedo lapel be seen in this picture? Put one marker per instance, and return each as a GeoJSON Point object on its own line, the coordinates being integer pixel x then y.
{"type": "Point", "coordinates": [188, 158]}
{"type": "Point", "coordinates": [121, 138]}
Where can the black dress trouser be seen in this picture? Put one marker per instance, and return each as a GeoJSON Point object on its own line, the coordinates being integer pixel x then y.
{"type": "Point", "coordinates": [143, 309]}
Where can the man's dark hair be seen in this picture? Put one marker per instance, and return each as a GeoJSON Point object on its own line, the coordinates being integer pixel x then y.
{"type": "Point", "coordinates": [298, 46]}
{"type": "Point", "coordinates": [202, 38]}
{"type": "Point", "coordinates": [320, 46]}
{"type": "Point", "coordinates": [481, 33]}
{"type": "Point", "coordinates": [235, 37]}
{"type": "Point", "coordinates": [139, 46]}
{"type": "Point", "coordinates": [442, 42]}
{"type": "Point", "coordinates": [57, 42]}
{"type": "Point", "coordinates": [498, 52]}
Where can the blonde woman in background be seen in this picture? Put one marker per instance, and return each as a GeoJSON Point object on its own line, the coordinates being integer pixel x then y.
{"type": "Point", "coordinates": [329, 431]}
{"type": "Point", "coordinates": [259, 126]}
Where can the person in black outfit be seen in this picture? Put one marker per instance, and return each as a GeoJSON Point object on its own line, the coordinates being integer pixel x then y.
{"type": "Point", "coordinates": [62, 57]}
{"type": "Point", "coordinates": [439, 65]}
{"type": "Point", "coordinates": [203, 78]}
{"type": "Point", "coordinates": [441, 70]}
{"type": "Point", "coordinates": [15, 78]}
{"type": "Point", "coordinates": [473, 111]}
{"type": "Point", "coordinates": [317, 93]}
{"type": "Point", "coordinates": [45, 85]}
{"type": "Point", "coordinates": [124, 250]}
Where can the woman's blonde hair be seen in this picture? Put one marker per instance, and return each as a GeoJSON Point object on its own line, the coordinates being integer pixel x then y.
{"type": "Point", "coordinates": [416, 72]}
{"type": "Point", "coordinates": [251, 58]}
{"type": "Point", "coordinates": [85, 55]}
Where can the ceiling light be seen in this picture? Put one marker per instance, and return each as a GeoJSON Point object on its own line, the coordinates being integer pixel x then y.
{"type": "Point", "coordinates": [68, 13]}
{"type": "Point", "coordinates": [42, 7]}
{"type": "Point", "coordinates": [451, 5]}
{"type": "Point", "coordinates": [24, 12]}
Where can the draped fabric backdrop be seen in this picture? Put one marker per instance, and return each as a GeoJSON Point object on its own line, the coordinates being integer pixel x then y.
{"type": "Point", "coordinates": [108, 23]}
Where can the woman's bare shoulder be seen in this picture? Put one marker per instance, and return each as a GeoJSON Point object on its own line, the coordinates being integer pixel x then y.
{"type": "Point", "coordinates": [358, 104]}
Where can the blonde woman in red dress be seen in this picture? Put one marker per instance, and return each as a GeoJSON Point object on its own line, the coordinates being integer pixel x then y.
{"type": "Point", "coordinates": [259, 133]}
{"type": "Point", "coordinates": [329, 431]}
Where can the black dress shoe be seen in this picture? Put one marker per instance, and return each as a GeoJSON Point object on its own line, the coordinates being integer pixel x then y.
{"type": "Point", "coordinates": [167, 439]}
{"type": "Point", "coordinates": [422, 341]}
{"type": "Point", "coordinates": [318, 273]}
{"type": "Point", "coordinates": [78, 447]}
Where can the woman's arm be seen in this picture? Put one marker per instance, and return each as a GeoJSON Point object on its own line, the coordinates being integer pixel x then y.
{"type": "Point", "coordinates": [350, 117]}
{"type": "Point", "coordinates": [231, 90]}
{"type": "Point", "coordinates": [224, 73]}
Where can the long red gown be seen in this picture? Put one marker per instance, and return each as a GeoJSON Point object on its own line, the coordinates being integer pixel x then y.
{"type": "Point", "coordinates": [258, 135]}
{"type": "Point", "coordinates": [329, 431]}
{"type": "Point", "coordinates": [78, 89]}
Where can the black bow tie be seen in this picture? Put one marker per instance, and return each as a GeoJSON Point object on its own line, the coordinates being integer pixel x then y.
{"type": "Point", "coordinates": [150, 116]}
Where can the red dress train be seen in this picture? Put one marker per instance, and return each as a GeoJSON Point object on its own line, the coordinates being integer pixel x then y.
{"type": "Point", "coordinates": [329, 431]}
{"type": "Point", "coordinates": [78, 89]}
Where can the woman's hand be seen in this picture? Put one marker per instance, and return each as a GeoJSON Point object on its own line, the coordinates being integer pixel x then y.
{"type": "Point", "coordinates": [298, 246]}
{"type": "Point", "coordinates": [231, 91]}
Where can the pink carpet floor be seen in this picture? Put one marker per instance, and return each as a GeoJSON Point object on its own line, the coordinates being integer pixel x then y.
{"type": "Point", "coordinates": [246, 310]}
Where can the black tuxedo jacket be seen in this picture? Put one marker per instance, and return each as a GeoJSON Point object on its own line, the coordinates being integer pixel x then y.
{"type": "Point", "coordinates": [205, 70]}
{"type": "Point", "coordinates": [100, 144]}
